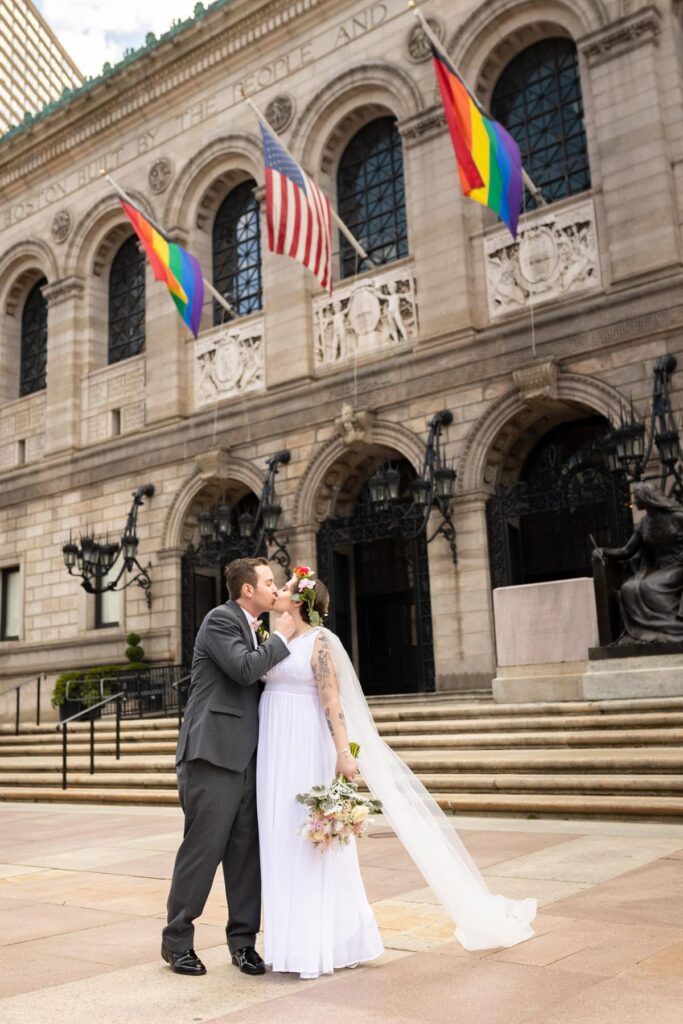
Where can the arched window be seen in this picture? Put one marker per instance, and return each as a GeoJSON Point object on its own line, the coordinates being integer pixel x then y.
{"type": "Point", "coordinates": [33, 341]}
{"type": "Point", "coordinates": [538, 99]}
{"type": "Point", "coordinates": [237, 252]}
{"type": "Point", "coordinates": [127, 302]}
{"type": "Point", "coordinates": [371, 196]}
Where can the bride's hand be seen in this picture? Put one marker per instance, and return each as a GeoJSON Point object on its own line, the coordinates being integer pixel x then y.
{"type": "Point", "coordinates": [346, 766]}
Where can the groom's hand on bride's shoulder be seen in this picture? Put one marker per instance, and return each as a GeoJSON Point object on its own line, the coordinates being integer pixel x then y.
{"type": "Point", "coordinates": [286, 625]}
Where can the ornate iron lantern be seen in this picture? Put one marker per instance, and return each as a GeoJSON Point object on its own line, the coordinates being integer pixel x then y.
{"type": "Point", "coordinates": [223, 535]}
{"type": "Point", "coordinates": [628, 446]}
{"type": "Point", "coordinates": [433, 489]}
{"type": "Point", "coordinates": [94, 560]}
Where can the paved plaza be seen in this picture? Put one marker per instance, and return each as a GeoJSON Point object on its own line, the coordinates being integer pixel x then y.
{"type": "Point", "coordinates": [83, 890]}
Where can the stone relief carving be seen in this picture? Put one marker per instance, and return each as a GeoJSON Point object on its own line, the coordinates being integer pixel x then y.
{"type": "Point", "coordinates": [372, 315]}
{"type": "Point", "coordinates": [61, 226]}
{"type": "Point", "coordinates": [22, 431]}
{"type": "Point", "coordinates": [537, 381]}
{"type": "Point", "coordinates": [352, 425]}
{"type": "Point", "coordinates": [279, 112]}
{"type": "Point", "coordinates": [160, 174]}
{"type": "Point", "coordinates": [632, 30]}
{"type": "Point", "coordinates": [422, 126]}
{"type": "Point", "coordinates": [114, 399]}
{"type": "Point", "coordinates": [417, 45]}
{"type": "Point", "coordinates": [556, 253]}
{"type": "Point", "coordinates": [229, 362]}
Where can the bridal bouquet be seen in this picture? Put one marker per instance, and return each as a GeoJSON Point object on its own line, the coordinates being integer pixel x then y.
{"type": "Point", "coordinates": [336, 812]}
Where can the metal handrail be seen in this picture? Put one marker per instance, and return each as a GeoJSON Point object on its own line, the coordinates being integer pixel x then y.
{"type": "Point", "coordinates": [119, 698]}
{"type": "Point", "coordinates": [175, 686]}
{"type": "Point", "coordinates": [31, 679]}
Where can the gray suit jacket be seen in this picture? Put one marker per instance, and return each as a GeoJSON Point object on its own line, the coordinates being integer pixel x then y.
{"type": "Point", "coordinates": [221, 716]}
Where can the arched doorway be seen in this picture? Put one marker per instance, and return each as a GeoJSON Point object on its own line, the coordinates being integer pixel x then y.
{"type": "Point", "coordinates": [376, 565]}
{"type": "Point", "coordinates": [202, 578]}
{"type": "Point", "coordinates": [540, 528]}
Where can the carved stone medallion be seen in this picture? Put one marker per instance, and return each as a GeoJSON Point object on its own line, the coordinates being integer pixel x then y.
{"type": "Point", "coordinates": [160, 174]}
{"type": "Point", "coordinates": [61, 226]}
{"type": "Point", "coordinates": [279, 112]}
{"type": "Point", "coordinates": [417, 45]}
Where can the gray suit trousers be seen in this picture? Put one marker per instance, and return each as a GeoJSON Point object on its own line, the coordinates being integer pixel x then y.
{"type": "Point", "coordinates": [220, 827]}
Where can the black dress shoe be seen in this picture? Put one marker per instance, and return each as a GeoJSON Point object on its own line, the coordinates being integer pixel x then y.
{"type": "Point", "coordinates": [248, 961]}
{"type": "Point", "coordinates": [186, 962]}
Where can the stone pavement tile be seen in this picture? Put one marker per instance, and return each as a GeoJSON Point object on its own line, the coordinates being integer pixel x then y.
{"type": "Point", "coordinates": [151, 994]}
{"type": "Point", "coordinates": [162, 842]}
{"type": "Point", "coordinates": [153, 865]}
{"type": "Point", "coordinates": [676, 855]}
{"type": "Point", "coordinates": [35, 920]}
{"type": "Point", "coordinates": [621, 949]}
{"type": "Point", "coordinates": [381, 884]}
{"type": "Point", "coordinates": [651, 895]}
{"type": "Point", "coordinates": [90, 858]}
{"type": "Point", "coordinates": [541, 889]}
{"type": "Point", "coordinates": [13, 870]}
{"type": "Point", "coordinates": [620, 1000]}
{"type": "Point", "coordinates": [590, 859]}
{"type": "Point", "coordinates": [80, 888]}
{"type": "Point", "coordinates": [667, 964]}
{"type": "Point", "coordinates": [435, 990]}
{"type": "Point", "coordinates": [122, 944]}
{"type": "Point", "coordinates": [489, 848]}
{"type": "Point", "coordinates": [24, 970]}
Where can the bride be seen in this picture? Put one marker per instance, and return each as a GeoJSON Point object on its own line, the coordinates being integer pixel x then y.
{"type": "Point", "coordinates": [316, 914]}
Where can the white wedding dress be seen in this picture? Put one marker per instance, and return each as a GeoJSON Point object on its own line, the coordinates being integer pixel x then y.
{"type": "Point", "coordinates": [315, 910]}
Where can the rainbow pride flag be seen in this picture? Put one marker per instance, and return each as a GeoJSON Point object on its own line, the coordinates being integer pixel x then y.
{"type": "Point", "coordinates": [171, 264]}
{"type": "Point", "coordinates": [489, 161]}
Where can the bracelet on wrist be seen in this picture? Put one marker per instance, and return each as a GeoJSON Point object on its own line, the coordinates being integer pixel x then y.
{"type": "Point", "coordinates": [344, 750]}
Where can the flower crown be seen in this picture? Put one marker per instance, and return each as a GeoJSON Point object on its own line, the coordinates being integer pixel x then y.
{"type": "Point", "coordinates": [305, 592]}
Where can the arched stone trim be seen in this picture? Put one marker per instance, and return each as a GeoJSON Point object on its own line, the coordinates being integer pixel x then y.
{"type": "Point", "coordinates": [490, 441]}
{"type": "Point", "coordinates": [516, 24]}
{"type": "Point", "coordinates": [99, 233]}
{"type": "Point", "coordinates": [316, 478]}
{"type": "Point", "coordinates": [20, 267]}
{"type": "Point", "coordinates": [344, 105]}
{"type": "Point", "coordinates": [208, 176]}
{"type": "Point", "coordinates": [228, 471]}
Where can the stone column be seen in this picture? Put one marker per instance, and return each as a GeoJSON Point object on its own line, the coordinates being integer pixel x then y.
{"type": "Point", "coordinates": [624, 92]}
{"type": "Point", "coordinates": [169, 382]}
{"type": "Point", "coordinates": [65, 366]}
{"type": "Point", "coordinates": [462, 614]}
{"type": "Point", "coordinates": [437, 233]}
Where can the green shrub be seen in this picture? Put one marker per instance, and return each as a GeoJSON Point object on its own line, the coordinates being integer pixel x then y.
{"type": "Point", "coordinates": [134, 651]}
{"type": "Point", "coordinates": [85, 684]}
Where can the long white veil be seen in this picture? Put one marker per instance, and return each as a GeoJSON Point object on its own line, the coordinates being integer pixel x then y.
{"type": "Point", "coordinates": [483, 920]}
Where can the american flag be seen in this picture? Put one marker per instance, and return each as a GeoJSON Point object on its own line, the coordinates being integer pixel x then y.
{"type": "Point", "coordinates": [297, 212]}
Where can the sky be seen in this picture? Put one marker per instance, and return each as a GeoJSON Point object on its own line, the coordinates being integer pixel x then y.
{"type": "Point", "coordinates": [95, 31]}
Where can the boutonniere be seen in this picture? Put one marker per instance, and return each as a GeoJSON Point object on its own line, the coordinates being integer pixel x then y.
{"type": "Point", "coordinates": [262, 631]}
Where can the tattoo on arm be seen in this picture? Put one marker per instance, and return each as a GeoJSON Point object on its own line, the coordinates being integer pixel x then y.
{"type": "Point", "coordinates": [329, 723]}
{"type": "Point", "coordinates": [321, 668]}
{"type": "Point", "coordinates": [341, 716]}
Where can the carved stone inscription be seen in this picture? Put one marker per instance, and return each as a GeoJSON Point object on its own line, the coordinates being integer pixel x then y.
{"type": "Point", "coordinates": [556, 254]}
{"type": "Point", "coordinates": [373, 315]}
{"type": "Point", "coordinates": [229, 362]}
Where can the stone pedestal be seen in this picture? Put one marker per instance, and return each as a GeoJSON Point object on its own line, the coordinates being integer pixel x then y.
{"type": "Point", "coordinates": [543, 633]}
{"type": "Point", "coordinates": [654, 675]}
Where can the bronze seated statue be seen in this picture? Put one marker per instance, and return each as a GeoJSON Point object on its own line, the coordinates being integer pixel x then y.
{"type": "Point", "coordinates": [651, 600]}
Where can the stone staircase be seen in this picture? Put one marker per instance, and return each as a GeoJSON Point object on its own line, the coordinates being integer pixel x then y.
{"type": "Point", "coordinates": [599, 758]}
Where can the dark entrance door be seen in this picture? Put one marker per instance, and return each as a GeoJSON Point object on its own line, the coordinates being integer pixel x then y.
{"type": "Point", "coordinates": [203, 587]}
{"type": "Point", "coordinates": [381, 605]}
{"type": "Point", "coordinates": [540, 528]}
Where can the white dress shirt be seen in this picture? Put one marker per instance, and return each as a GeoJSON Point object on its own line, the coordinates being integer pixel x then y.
{"type": "Point", "coordinates": [252, 622]}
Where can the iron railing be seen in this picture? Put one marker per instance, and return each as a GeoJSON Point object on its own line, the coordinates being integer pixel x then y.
{"type": "Point", "coordinates": [89, 713]}
{"type": "Point", "coordinates": [37, 681]}
{"type": "Point", "coordinates": [155, 692]}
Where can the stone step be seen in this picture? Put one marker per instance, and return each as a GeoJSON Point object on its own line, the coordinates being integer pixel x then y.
{"type": "Point", "coordinates": [529, 805]}
{"type": "Point", "coordinates": [422, 708]}
{"type": "Point", "coordinates": [428, 726]}
{"type": "Point", "coordinates": [448, 741]}
{"type": "Point", "coordinates": [655, 785]}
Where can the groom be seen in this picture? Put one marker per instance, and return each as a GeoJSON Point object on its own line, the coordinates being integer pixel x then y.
{"type": "Point", "coordinates": [216, 766]}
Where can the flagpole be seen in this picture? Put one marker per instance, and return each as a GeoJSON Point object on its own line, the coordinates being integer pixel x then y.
{"type": "Point", "coordinates": [164, 234]}
{"type": "Point", "coordinates": [436, 43]}
{"type": "Point", "coordinates": [351, 238]}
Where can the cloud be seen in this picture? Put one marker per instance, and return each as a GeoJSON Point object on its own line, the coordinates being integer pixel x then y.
{"type": "Point", "coordinates": [95, 31]}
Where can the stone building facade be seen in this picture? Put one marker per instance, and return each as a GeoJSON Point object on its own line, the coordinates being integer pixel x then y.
{"type": "Point", "coordinates": [516, 341]}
